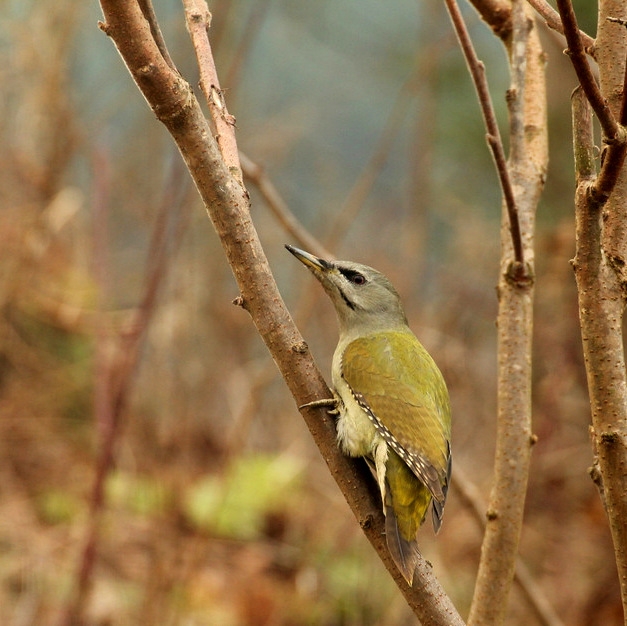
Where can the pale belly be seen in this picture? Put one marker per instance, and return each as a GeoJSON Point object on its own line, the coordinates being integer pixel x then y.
{"type": "Point", "coordinates": [356, 434]}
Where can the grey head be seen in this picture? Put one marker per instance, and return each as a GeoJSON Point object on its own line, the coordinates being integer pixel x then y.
{"type": "Point", "coordinates": [365, 300]}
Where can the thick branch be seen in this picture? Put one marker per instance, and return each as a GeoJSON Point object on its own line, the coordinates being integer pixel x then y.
{"type": "Point", "coordinates": [612, 53]}
{"type": "Point", "coordinates": [600, 313]}
{"type": "Point", "coordinates": [527, 166]}
{"type": "Point", "coordinates": [227, 203]}
{"type": "Point", "coordinates": [599, 271]}
{"type": "Point", "coordinates": [497, 14]}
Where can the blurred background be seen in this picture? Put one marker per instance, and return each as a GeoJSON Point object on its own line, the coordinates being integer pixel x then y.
{"type": "Point", "coordinates": [217, 507]}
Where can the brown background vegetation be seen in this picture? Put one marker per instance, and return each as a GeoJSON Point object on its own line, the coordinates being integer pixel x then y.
{"type": "Point", "coordinates": [219, 509]}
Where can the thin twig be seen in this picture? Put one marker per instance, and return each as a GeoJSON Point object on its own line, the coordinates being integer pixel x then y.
{"type": "Point", "coordinates": [613, 162]}
{"type": "Point", "coordinates": [151, 17]}
{"type": "Point", "coordinates": [257, 175]}
{"type": "Point", "coordinates": [614, 134]}
{"type": "Point", "coordinates": [554, 22]}
{"type": "Point", "coordinates": [198, 19]}
{"type": "Point", "coordinates": [254, 23]}
{"type": "Point", "coordinates": [477, 71]}
{"type": "Point", "coordinates": [611, 130]}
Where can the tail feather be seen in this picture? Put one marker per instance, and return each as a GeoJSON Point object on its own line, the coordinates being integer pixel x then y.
{"type": "Point", "coordinates": [405, 553]}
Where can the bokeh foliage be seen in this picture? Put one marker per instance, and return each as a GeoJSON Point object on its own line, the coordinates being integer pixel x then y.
{"type": "Point", "coordinates": [220, 510]}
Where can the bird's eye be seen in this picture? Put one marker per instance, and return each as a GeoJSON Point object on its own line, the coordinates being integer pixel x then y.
{"type": "Point", "coordinates": [353, 276]}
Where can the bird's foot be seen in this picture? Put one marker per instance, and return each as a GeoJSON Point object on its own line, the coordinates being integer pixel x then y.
{"type": "Point", "coordinates": [332, 403]}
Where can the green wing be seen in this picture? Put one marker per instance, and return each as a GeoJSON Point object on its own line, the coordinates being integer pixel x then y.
{"type": "Point", "coordinates": [400, 387]}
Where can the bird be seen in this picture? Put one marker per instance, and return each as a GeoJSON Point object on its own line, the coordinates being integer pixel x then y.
{"type": "Point", "coordinates": [390, 399]}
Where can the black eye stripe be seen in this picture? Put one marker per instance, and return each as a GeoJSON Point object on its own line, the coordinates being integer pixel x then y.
{"type": "Point", "coordinates": [353, 276]}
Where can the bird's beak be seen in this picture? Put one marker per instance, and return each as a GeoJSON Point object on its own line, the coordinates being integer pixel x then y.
{"type": "Point", "coordinates": [311, 261]}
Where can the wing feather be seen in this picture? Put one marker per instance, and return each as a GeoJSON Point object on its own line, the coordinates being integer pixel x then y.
{"type": "Point", "coordinates": [402, 391]}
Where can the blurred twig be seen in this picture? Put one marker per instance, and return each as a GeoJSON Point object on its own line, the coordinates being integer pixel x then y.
{"type": "Point", "coordinates": [117, 363]}
{"type": "Point", "coordinates": [362, 187]}
{"type": "Point", "coordinates": [358, 194]}
{"type": "Point", "coordinates": [256, 175]}
{"type": "Point", "coordinates": [533, 592]}
{"type": "Point", "coordinates": [554, 21]}
{"type": "Point", "coordinates": [253, 25]}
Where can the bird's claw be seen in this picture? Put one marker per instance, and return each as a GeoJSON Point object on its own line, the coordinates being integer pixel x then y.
{"type": "Point", "coordinates": [324, 402]}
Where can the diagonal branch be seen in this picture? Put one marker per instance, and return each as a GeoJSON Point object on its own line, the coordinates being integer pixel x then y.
{"type": "Point", "coordinates": [554, 21]}
{"type": "Point", "coordinates": [471, 498]}
{"type": "Point", "coordinates": [611, 129]}
{"type": "Point", "coordinates": [198, 19]}
{"type": "Point", "coordinates": [256, 175]}
{"type": "Point", "coordinates": [227, 204]}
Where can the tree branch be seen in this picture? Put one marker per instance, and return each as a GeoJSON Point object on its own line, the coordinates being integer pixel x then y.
{"type": "Point", "coordinates": [612, 131]}
{"type": "Point", "coordinates": [497, 14]}
{"type": "Point", "coordinates": [601, 281]}
{"type": "Point", "coordinates": [601, 305]}
{"type": "Point", "coordinates": [198, 21]}
{"type": "Point", "coordinates": [227, 204]}
{"type": "Point", "coordinates": [554, 21]}
{"type": "Point", "coordinates": [477, 72]}
{"type": "Point", "coordinates": [527, 169]}
{"type": "Point", "coordinates": [613, 160]}
{"type": "Point", "coordinates": [256, 175]}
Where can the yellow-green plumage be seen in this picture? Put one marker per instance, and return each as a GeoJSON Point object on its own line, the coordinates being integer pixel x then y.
{"type": "Point", "coordinates": [406, 393]}
{"type": "Point", "coordinates": [392, 401]}
{"type": "Point", "coordinates": [402, 393]}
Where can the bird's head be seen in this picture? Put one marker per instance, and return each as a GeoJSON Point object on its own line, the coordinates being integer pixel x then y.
{"type": "Point", "coordinates": [365, 300]}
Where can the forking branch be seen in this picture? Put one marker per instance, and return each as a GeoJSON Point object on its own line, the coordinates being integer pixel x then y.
{"type": "Point", "coordinates": [614, 133]}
